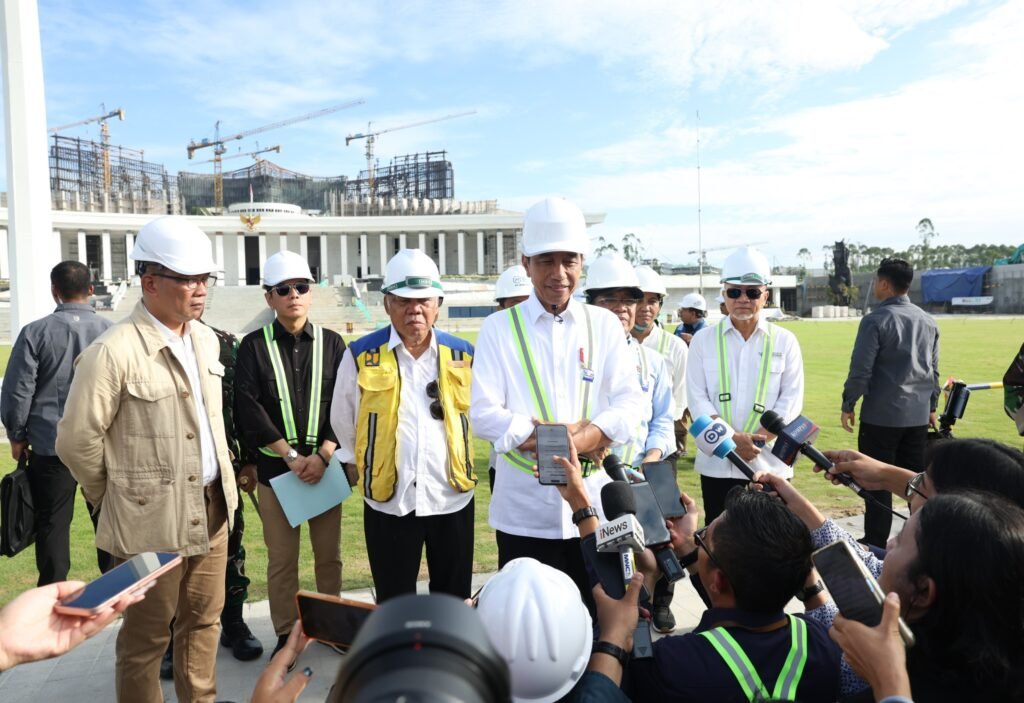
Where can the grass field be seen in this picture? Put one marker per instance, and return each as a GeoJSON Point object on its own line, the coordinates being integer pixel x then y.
{"type": "Point", "coordinates": [975, 350]}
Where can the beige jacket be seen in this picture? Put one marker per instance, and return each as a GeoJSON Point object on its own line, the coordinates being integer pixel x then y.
{"type": "Point", "coordinates": [130, 436]}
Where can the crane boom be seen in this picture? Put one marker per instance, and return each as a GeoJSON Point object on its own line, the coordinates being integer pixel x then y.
{"type": "Point", "coordinates": [254, 154]}
{"type": "Point", "coordinates": [118, 113]}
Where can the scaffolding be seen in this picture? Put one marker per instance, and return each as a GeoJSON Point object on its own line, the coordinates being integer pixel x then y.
{"type": "Point", "coordinates": [78, 169]}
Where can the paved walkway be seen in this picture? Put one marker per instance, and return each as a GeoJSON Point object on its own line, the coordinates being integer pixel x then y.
{"type": "Point", "coordinates": [87, 673]}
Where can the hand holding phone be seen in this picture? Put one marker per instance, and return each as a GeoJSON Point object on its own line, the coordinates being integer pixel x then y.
{"type": "Point", "coordinates": [123, 578]}
{"type": "Point", "coordinates": [662, 477]}
{"type": "Point", "coordinates": [552, 441]}
{"type": "Point", "coordinates": [331, 619]}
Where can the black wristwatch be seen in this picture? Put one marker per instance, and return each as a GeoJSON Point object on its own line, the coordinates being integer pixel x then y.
{"type": "Point", "coordinates": [688, 559]}
{"type": "Point", "coordinates": [808, 592]}
{"type": "Point", "coordinates": [583, 513]}
{"type": "Point", "coordinates": [612, 650]}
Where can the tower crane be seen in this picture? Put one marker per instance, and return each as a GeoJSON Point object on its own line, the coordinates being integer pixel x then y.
{"type": "Point", "coordinates": [371, 137]}
{"type": "Point", "coordinates": [219, 149]}
{"type": "Point", "coordinates": [253, 154]}
{"type": "Point", "coordinates": [104, 137]}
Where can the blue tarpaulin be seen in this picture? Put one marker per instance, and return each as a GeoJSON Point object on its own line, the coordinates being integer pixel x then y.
{"type": "Point", "coordinates": [942, 285]}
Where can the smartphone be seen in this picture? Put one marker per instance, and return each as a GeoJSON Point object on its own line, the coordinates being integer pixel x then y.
{"type": "Point", "coordinates": [662, 477]}
{"type": "Point", "coordinates": [108, 588]}
{"type": "Point", "coordinates": [649, 514]}
{"type": "Point", "coordinates": [331, 619]}
{"type": "Point", "coordinates": [605, 568]}
{"type": "Point", "coordinates": [552, 440]}
{"type": "Point", "coordinates": [643, 646]}
{"type": "Point", "coordinates": [854, 590]}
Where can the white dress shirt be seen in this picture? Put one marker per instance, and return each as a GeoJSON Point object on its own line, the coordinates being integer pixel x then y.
{"type": "Point", "coordinates": [182, 349]}
{"type": "Point", "coordinates": [653, 429]}
{"type": "Point", "coordinates": [675, 352]}
{"type": "Point", "coordinates": [785, 387]}
{"type": "Point", "coordinates": [422, 451]}
{"type": "Point", "coordinates": [502, 408]}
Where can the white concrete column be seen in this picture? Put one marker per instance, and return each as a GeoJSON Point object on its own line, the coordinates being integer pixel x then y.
{"type": "Point", "coordinates": [263, 254]}
{"type": "Point", "coordinates": [304, 247]}
{"type": "Point", "coordinates": [383, 252]}
{"type": "Point", "coordinates": [81, 248]}
{"type": "Point", "coordinates": [240, 252]}
{"type": "Point", "coordinates": [343, 238]}
{"type": "Point", "coordinates": [129, 262]}
{"type": "Point", "coordinates": [218, 256]}
{"type": "Point", "coordinates": [441, 264]}
{"type": "Point", "coordinates": [364, 257]}
{"type": "Point", "coordinates": [282, 245]}
{"type": "Point", "coordinates": [402, 241]}
{"type": "Point", "coordinates": [499, 249]}
{"type": "Point", "coordinates": [423, 243]}
{"type": "Point", "coordinates": [324, 268]}
{"type": "Point", "coordinates": [462, 252]}
{"type": "Point", "coordinates": [106, 275]}
{"type": "Point", "coordinates": [4, 272]}
{"type": "Point", "coordinates": [479, 252]}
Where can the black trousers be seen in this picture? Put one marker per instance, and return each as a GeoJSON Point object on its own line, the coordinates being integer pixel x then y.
{"type": "Point", "coordinates": [714, 491]}
{"type": "Point", "coordinates": [903, 446]}
{"type": "Point", "coordinates": [562, 554]}
{"type": "Point", "coordinates": [53, 494]}
{"type": "Point", "coordinates": [394, 546]}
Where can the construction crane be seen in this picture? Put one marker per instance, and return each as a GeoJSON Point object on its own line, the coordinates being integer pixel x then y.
{"type": "Point", "coordinates": [253, 154]}
{"type": "Point", "coordinates": [370, 136]}
{"type": "Point", "coordinates": [104, 137]}
{"type": "Point", "coordinates": [219, 149]}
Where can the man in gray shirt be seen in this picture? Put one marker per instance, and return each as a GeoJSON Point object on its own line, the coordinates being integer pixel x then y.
{"type": "Point", "coordinates": [895, 368]}
{"type": "Point", "coordinates": [35, 387]}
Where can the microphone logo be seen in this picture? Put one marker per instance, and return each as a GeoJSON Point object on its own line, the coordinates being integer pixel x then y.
{"type": "Point", "coordinates": [715, 432]}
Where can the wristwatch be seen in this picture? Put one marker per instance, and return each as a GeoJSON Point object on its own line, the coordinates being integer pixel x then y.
{"type": "Point", "coordinates": [612, 650]}
{"type": "Point", "coordinates": [689, 559]}
{"type": "Point", "coordinates": [291, 456]}
{"type": "Point", "coordinates": [808, 592]}
{"type": "Point", "coordinates": [583, 513]}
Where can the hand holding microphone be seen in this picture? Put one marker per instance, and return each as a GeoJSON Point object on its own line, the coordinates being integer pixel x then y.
{"type": "Point", "coordinates": [622, 533]}
{"type": "Point", "coordinates": [715, 438]}
{"type": "Point", "coordinates": [796, 438]}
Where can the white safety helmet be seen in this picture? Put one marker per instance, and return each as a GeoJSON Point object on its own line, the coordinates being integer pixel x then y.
{"type": "Point", "coordinates": [536, 620]}
{"type": "Point", "coordinates": [512, 283]}
{"type": "Point", "coordinates": [695, 301]}
{"type": "Point", "coordinates": [747, 266]}
{"type": "Point", "coordinates": [650, 281]}
{"type": "Point", "coordinates": [554, 224]}
{"type": "Point", "coordinates": [412, 274]}
{"type": "Point", "coordinates": [720, 299]}
{"type": "Point", "coordinates": [176, 244]}
{"type": "Point", "coordinates": [284, 266]}
{"type": "Point", "coordinates": [612, 271]}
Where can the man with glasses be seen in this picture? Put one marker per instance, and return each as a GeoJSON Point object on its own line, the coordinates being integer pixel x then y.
{"type": "Point", "coordinates": [284, 381]}
{"type": "Point", "coordinates": [143, 433]}
{"type": "Point", "coordinates": [401, 413]}
{"type": "Point", "coordinates": [737, 370]}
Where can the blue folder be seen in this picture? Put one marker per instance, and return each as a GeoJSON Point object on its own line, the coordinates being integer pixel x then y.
{"type": "Point", "coordinates": [302, 501]}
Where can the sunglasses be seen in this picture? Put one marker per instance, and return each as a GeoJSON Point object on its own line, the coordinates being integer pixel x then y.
{"type": "Point", "coordinates": [436, 411]}
{"type": "Point", "coordinates": [914, 486]}
{"type": "Point", "coordinates": [752, 293]}
{"type": "Point", "coordinates": [285, 289]}
{"type": "Point", "coordinates": [189, 283]}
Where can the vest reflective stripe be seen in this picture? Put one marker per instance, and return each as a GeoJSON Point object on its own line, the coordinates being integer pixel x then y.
{"type": "Point", "coordinates": [540, 401]}
{"type": "Point", "coordinates": [761, 393]}
{"type": "Point", "coordinates": [662, 342]}
{"type": "Point", "coordinates": [629, 450]}
{"type": "Point", "coordinates": [291, 434]}
{"type": "Point", "coordinates": [746, 675]}
{"type": "Point", "coordinates": [585, 363]}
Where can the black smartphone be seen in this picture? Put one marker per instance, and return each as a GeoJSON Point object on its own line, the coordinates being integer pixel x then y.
{"type": "Point", "coordinates": [125, 577]}
{"type": "Point", "coordinates": [662, 477]}
{"type": "Point", "coordinates": [552, 441]}
{"type": "Point", "coordinates": [649, 514]}
{"type": "Point", "coordinates": [643, 645]}
{"type": "Point", "coordinates": [855, 591]}
{"type": "Point", "coordinates": [331, 619]}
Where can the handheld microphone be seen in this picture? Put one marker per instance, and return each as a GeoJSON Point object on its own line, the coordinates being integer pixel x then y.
{"type": "Point", "coordinates": [616, 469]}
{"type": "Point", "coordinates": [622, 533]}
{"type": "Point", "coordinates": [554, 313]}
{"type": "Point", "coordinates": [795, 438]}
{"type": "Point", "coordinates": [714, 438]}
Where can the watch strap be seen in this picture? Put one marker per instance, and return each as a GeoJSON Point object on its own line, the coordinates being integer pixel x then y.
{"type": "Point", "coordinates": [689, 559]}
{"type": "Point", "coordinates": [612, 650]}
{"type": "Point", "coordinates": [583, 513]}
{"type": "Point", "coordinates": [810, 591]}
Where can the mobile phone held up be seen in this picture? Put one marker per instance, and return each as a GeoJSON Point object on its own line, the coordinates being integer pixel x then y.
{"type": "Point", "coordinates": [855, 591]}
{"type": "Point", "coordinates": [123, 578]}
{"type": "Point", "coordinates": [331, 619]}
{"type": "Point", "coordinates": [552, 441]}
{"type": "Point", "coordinates": [662, 477]}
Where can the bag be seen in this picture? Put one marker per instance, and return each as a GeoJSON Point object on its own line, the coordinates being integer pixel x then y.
{"type": "Point", "coordinates": [17, 513]}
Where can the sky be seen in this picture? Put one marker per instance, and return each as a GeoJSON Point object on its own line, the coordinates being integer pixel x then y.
{"type": "Point", "coordinates": [810, 121]}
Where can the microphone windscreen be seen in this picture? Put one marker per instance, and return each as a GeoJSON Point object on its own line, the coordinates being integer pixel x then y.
{"type": "Point", "coordinates": [617, 499]}
{"type": "Point", "coordinates": [772, 422]}
{"type": "Point", "coordinates": [614, 467]}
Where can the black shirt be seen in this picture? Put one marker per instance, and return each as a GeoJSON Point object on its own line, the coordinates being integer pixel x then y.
{"type": "Point", "coordinates": [257, 405]}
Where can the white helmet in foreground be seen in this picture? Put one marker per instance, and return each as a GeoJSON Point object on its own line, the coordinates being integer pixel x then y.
{"type": "Point", "coordinates": [747, 267]}
{"type": "Point", "coordinates": [612, 271]}
{"type": "Point", "coordinates": [176, 244]}
{"type": "Point", "coordinates": [512, 283]}
{"type": "Point", "coordinates": [535, 619]}
{"type": "Point", "coordinates": [284, 266]}
{"type": "Point", "coordinates": [412, 274]}
{"type": "Point", "coordinates": [650, 281]}
{"type": "Point", "coordinates": [554, 224]}
{"type": "Point", "coordinates": [695, 301]}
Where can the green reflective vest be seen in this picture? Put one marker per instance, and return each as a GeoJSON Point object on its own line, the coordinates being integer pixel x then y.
{"type": "Point", "coordinates": [291, 434]}
{"type": "Point", "coordinates": [742, 668]}
{"type": "Point", "coordinates": [761, 393]}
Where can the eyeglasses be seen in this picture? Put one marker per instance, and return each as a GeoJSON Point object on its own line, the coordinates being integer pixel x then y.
{"type": "Point", "coordinates": [285, 289]}
{"type": "Point", "coordinates": [914, 486]}
{"type": "Point", "coordinates": [752, 293]}
{"type": "Point", "coordinates": [611, 301]}
{"type": "Point", "coordinates": [189, 283]}
{"type": "Point", "coordinates": [436, 411]}
{"type": "Point", "coordinates": [698, 537]}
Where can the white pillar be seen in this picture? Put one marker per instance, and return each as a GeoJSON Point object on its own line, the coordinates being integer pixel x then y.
{"type": "Point", "coordinates": [441, 264]}
{"type": "Point", "coordinates": [479, 252]}
{"type": "Point", "coordinates": [4, 273]}
{"type": "Point", "coordinates": [402, 241]}
{"type": "Point", "coordinates": [304, 247]}
{"type": "Point", "coordinates": [364, 257]}
{"type": "Point", "coordinates": [462, 253]}
{"type": "Point", "coordinates": [282, 245]}
{"type": "Point", "coordinates": [81, 249]}
{"type": "Point", "coordinates": [343, 238]}
{"type": "Point", "coordinates": [240, 251]}
{"type": "Point", "coordinates": [105, 272]}
{"type": "Point", "coordinates": [499, 249]}
{"type": "Point", "coordinates": [218, 256]}
{"type": "Point", "coordinates": [31, 247]}
{"type": "Point", "coordinates": [383, 252]}
{"type": "Point", "coordinates": [324, 269]}
{"type": "Point", "coordinates": [263, 254]}
{"type": "Point", "coordinates": [423, 242]}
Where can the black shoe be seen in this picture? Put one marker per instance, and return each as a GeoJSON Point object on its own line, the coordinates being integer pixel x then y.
{"type": "Point", "coordinates": [282, 640]}
{"type": "Point", "coordinates": [239, 638]}
{"type": "Point", "coordinates": [167, 664]}
{"type": "Point", "coordinates": [663, 619]}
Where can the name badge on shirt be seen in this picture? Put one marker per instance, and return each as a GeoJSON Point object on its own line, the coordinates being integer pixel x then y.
{"type": "Point", "coordinates": [588, 375]}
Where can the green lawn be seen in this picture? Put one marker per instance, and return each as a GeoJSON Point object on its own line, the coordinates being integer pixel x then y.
{"type": "Point", "coordinates": [973, 349]}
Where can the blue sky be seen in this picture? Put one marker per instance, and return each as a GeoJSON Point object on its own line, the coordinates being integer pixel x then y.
{"type": "Point", "coordinates": [818, 120]}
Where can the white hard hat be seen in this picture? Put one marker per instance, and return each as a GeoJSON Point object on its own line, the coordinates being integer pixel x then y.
{"type": "Point", "coordinates": [747, 266]}
{"type": "Point", "coordinates": [536, 620]}
{"type": "Point", "coordinates": [176, 244]}
{"type": "Point", "coordinates": [554, 224]}
{"type": "Point", "coordinates": [695, 301]}
{"type": "Point", "coordinates": [612, 271]}
{"type": "Point", "coordinates": [512, 283]}
{"type": "Point", "coordinates": [284, 266]}
{"type": "Point", "coordinates": [719, 299]}
{"type": "Point", "coordinates": [650, 281]}
{"type": "Point", "coordinates": [412, 274]}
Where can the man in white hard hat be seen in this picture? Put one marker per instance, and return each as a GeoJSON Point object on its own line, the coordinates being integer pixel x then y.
{"type": "Point", "coordinates": [693, 310]}
{"type": "Point", "coordinates": [284, 382]}
{"type": "Point", "coordinates": [143, 433]}
{"type": "Point", "coordinates": [738, 369]}
{"type": "Point", "coordinates": [401, 413]}
{"type": "Point", "coordinates": [550, 359]}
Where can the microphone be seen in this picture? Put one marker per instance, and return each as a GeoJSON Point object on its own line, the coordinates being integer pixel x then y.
{"type": "Point", "coordinates": [795, 438]}
{"type": "Point", "coordinates": [622, 533]}
{"type": "Point", "coordinates": [616, 469]}
{"type": "Point", "coordinates": [554, 313]}
{"type": "Point", "coordinates": [714, 438]}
